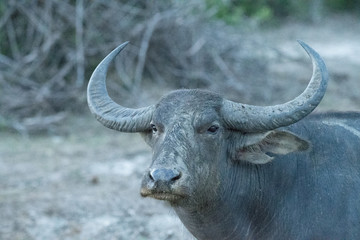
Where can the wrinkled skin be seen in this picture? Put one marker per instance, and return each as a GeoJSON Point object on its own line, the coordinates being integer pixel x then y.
{"type": "Point", "coordinates": [226, 184]}
{"type": "Point", "coordinates": [182, 141]}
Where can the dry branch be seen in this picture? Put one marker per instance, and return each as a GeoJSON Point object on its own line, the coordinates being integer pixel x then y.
{"type": "Point", "coordinates": [49, 49]}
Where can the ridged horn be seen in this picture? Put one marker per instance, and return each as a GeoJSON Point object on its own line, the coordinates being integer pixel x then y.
{"type": "Point", "coordinates": [106, 111]}
{"type": "Point", "coordinates": [248, 118]}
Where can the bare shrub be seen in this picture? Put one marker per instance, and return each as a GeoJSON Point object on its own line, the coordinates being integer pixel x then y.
{"type": "Point", "coordinates": [49, 49]}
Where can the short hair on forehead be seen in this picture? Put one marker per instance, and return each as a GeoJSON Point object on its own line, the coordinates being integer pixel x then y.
{"type": "Point", "coordinates": [184, 102]}
{"type": "Point", "coordinates": [191, 98]}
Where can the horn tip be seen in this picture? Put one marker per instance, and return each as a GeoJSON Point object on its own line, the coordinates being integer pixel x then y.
{"type": "Point", "coordinates": [308, 49]}
{"type": "Point", "coordinates": [121, 46]}
{"type": "Point", "coordinates": [301, 42]}
{"type": "Point", "coordinates": [305, 46]}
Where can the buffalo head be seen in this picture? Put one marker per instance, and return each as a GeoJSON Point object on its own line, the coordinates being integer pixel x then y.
{"type": "Point", "coordinates": [197, 136]}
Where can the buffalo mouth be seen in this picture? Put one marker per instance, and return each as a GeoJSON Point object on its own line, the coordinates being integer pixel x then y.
{"type": "Point", "coordinates": [163, 195]}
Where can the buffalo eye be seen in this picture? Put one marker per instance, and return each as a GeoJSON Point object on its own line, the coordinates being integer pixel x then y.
{"type": "Point", "coordinates": [153, 128]}
{"type": "Point", "coordinates": [213, 129]}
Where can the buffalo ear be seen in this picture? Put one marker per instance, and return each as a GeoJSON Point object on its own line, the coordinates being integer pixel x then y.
{"type": "Point", "coordinates": [254, 147]}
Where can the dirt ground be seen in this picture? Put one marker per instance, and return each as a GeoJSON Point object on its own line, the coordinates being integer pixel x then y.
{"type": "Point", "coordinates": [84, 184]}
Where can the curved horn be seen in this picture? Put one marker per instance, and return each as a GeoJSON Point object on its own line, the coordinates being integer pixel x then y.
{"type": "Point", "coordinates": [249, 118]}
{"type": "Point", "coordinates": [106, 111]}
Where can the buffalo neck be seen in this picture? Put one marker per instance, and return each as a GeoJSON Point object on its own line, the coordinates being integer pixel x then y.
{"type": "Point", "coordinates": [243, 207]}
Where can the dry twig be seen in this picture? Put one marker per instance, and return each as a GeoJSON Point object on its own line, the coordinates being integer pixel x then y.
{"type": "Point", "coordinates": [49, 49]}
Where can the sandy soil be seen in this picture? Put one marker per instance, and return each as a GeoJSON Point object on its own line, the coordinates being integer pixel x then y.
{"type": "Point", "coordinates": [85, 184]}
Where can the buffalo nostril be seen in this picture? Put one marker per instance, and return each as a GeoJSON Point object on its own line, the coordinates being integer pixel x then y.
{"type": "Point", "coordinates": [164, 175]}
{"type": "Point", "coordinates": [177, 176]}
{"type": "Point", "coordinates": [151, 176]}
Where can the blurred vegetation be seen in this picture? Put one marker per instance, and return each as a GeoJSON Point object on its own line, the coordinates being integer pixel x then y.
{"type": "Point", "coordinates": [48, 49]}
{"type": "Point", "coordinates": [265, 11]}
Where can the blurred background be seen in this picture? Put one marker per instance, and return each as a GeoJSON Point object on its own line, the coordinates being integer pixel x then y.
{"type": "Point", "coordinates": [63, 175]}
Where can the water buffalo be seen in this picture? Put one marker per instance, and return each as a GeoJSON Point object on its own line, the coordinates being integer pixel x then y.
{"type": "Point", "coordinates": [237, 171]}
